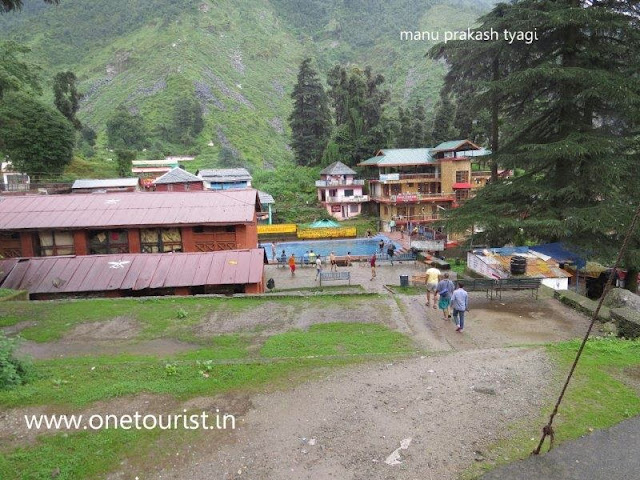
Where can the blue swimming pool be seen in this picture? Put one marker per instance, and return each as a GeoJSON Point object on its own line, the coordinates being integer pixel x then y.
{"type": "Point", "coordinates": [357, 246]}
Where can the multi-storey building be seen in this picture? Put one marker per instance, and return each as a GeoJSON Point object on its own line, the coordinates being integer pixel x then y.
{"type": "Point", "coordinates": [414, 186]}
{"type": "Point", "coordinates": [339, 191]}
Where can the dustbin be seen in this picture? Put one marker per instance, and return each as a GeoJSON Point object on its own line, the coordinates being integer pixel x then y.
{"type": "Point", "coordinates": [404, 280]}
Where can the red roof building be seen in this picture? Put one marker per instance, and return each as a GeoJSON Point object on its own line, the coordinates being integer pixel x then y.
{"type": "Point", "coordinates": [236, 271]}
{"type": "Point", "coordinates": [131, 222]}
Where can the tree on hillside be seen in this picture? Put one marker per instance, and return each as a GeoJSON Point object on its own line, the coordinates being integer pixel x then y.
{"type": "Point", "coordinates": [36, 138]}
{"type": "Point", "coordinates": [473, 65]}
{"type": "Point", "coordinates": [187, 121]}
{"type": "Point", "coordinates": [124, 160]}
{"type": "Point", "coordinates": [443, 120]}
{"type": "Point", "coordinates": [9, 5]}
{"type": "Point", "coordinates": [66, 96]}
{"type": "Point", "coordinates": [125, 130]}
{"type": "Point", "coordinates": [570, 104]}
{"type": "Point", "coordinates": [413, 127]}
{"type": "Point", "coordinates": [358, 100]}
{"type": "Point", "coordinates": [310, 119]}
{"type": "Point", "coordinates": [15, 73]}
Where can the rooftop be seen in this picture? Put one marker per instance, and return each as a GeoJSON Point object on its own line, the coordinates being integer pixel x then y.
{"type": "Point", "coordinates": [141, 271]}
{"type": "Point", "coordinates": [105, 183]}
{"type": "Point", "coordinates": [337, 168]}
{"type": "Point", "coordinates": [177, 175]}
{"type": "Point", "coordinates": [265, 198]}
{"type": "Point", "coordinates": [224, 174]}
{"type": "Point", "coordinates": [395, 157]}
{"type": "Point", "coordinates": [114, 210]}
{"type": "Point", "coordinates": [538, 265]}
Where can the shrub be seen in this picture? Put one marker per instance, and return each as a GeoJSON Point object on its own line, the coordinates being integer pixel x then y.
{"type": "Point", "coordinates": [13, 372]}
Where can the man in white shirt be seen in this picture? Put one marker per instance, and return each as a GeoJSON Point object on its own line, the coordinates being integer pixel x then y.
{"type": "Point", "coordinates": [433, 276]}
{"type": "Point", "coordinates": [318, 267]}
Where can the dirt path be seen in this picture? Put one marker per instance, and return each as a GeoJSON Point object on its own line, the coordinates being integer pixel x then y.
{"type": "Point", "coordinates": [347, 426]}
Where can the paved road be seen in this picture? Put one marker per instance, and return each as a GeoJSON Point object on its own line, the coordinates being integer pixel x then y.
{"type": "Point", "coordinates": [611, 454]}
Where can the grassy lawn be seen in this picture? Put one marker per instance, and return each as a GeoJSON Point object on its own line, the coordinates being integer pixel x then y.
{"type": "Point", "coordinates": [223, 366]}
{"type": "Point", "coordinates": [161, 317]}
{"type": "Point", "coordinates": [596, 398]}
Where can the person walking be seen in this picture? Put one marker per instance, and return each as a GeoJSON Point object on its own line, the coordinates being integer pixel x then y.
{"type": "Point", "coordinates": [391, 250]}
{"type": "Point", "coordinates": [372, 262]}
{"type": "Point", "coordinates": [460, 305]}
{"type": "Point", "coordinates": [444, 289]}
{"type": "Point", "coordinates": [292, 264]}
{"type": "Point", "coordinates": [433, 276]}
{"type": "Point", "coordinates": [333, 265]}
{"type": "Point", "coordinates": [381, 245]}
{"type": "Point", "coordinates": [318, 267]}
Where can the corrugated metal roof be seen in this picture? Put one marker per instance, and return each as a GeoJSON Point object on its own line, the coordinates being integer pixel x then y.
{"type": "Point", "coordinates": [536, 267]}
{"type": "Point", "coordinates": [450, 145]}
{"type": "Point", "coordinates": [337, 168]}
{"type": "Point", "coordinates": [99, 273]}
{"type": "Point", "coordinates": [105, 183]}
{"type": "Point", "coordinates": [128, 209]}
{"type": "Point", "coordinates": [224, 174]}
{"type": "Point", "coordinates": [177, 175]}
{"type": "Point", "coordinates": [401, 156]}
{"type": "Point", "coordinates": [265, 198]}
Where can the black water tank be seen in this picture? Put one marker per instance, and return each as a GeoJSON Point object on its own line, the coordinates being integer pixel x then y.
{"type": "Point", "coordinates": [518, 265]}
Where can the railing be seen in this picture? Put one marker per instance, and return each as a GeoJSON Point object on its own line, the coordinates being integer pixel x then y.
{"type": "Point", "coordinates": [354, 199]}
{"type": "Point", "coordinates": [35, 187]}
{"type": "Point", "coordinates": [337, 183]}
{"type": "Point", "coordinates": [412, 197]}
{"type": "Point", "coordinates": [388, 178]}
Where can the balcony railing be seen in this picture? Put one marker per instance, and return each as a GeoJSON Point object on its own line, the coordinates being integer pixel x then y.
{"type": "Point", "coordinates": [354, 199]}
{"type": "Point", "coordinates": [337, 183]}
{"type": "Point", "coordinates": [413, 197]}
{"type": "Point", "coordinates": [397, 177]}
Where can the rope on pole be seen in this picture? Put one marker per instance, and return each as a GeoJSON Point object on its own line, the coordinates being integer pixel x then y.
{"type": "Point", "coordinates": [547, 430]}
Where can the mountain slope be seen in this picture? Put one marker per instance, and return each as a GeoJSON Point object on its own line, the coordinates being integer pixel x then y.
{"type": "Point", "coordinates": [239, 59]}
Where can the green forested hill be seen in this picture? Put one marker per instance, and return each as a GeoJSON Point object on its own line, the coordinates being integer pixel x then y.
{"type": "Point", "coordinates": [238, 58]}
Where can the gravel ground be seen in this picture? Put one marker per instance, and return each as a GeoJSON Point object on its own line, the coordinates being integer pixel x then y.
{"type": "Point", "coordinates": [352, 425]}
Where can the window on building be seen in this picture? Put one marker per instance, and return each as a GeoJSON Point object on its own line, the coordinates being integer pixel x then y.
{"type": "Point", "coordinates": [186, 187]}
{"type": "Point", "coordinates": [55, 243]}
{"type": "Point", "coordinates": [158, 240]}
{"type": "Point", "coordinates": [108, 241]}
{"type": "Point", "coordinates": [348, 193]}
{"type": "Point", "coordinates": [396, 189]}
{"type": "Point", "coordinates": [462, 176]}
{"type": "Point", "coordinates": [333, 193]}
{"type": "Point", "coordinates": [385, 210]}
{"type": "Point", "coordinates": [353, 208]}
{"type": "Point", "coordinates": [10, 245]}
{"type": "Point", "coordinates": [462, 195]}
{"type": "Point", "coordinates": [169, 188]}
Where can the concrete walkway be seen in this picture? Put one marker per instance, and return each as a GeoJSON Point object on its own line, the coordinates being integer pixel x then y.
{"type": "Point", "coordinates": [610, 454]}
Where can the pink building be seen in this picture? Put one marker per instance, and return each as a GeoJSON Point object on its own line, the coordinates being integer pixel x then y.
{"type": "Point", "coordinates": [340, 192]}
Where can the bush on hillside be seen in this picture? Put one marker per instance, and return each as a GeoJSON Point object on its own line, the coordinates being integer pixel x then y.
{"type": "Point", "coordinates": [13, 372]}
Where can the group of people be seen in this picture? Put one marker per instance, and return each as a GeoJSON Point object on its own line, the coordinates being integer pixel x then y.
{"type": "Point", "coordinates": [309, 258]}
{"type": "Point", "coordinates": [453, 302]}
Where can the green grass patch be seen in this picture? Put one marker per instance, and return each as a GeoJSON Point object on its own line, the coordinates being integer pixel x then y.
{"type": "Point", "coordinates": [5, 292]}
{"type": "Point", "coordinates": [597, 398]}
{"type": "Point", "coordinates": [77, 382]}
{"type": "Point", "coordinates": [410, 290]}
{"type": "Point", "coordinates": [337, 339]}
{"type": "Point", "coordinates": [328, 288]}
{"type": "Point", "coordinates": [160, 317]}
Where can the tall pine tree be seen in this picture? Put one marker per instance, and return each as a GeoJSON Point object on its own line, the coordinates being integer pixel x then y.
{"type": "Point", "coordinates": [310, 120]}
{"type": "Point", "coordinates": [570, 103]}
{"type": "Point", "coordinates": [359, 101]}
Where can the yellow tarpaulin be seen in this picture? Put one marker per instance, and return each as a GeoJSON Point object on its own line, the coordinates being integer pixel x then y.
{"type": "Point", "coordinates": [282, 228]}
{"type": "Point", "coordinates": [328, 232]}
